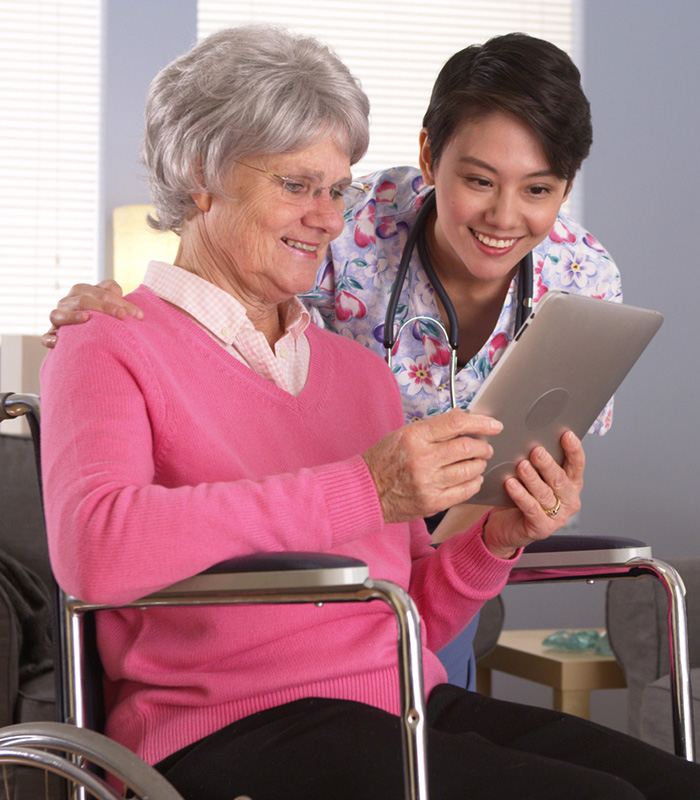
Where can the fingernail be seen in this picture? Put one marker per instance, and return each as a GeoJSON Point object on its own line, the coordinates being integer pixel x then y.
{"type": "Point", "coordinates": [496, 425]}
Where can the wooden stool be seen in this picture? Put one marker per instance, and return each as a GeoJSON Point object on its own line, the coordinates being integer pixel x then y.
{"type": "Point", "coordinates": [572, 675]}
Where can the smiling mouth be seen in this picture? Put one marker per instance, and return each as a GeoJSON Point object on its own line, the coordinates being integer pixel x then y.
{"type": "Point", "coordinates": [307, 248]}
{"type": "Point", "coordinates": [489, 241]}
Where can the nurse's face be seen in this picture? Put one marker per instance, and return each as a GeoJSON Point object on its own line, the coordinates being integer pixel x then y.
{"type": "Point", "coordinates": [496, 195]}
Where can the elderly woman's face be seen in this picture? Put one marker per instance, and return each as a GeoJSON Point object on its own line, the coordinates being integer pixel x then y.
{"type": "Point", "coordinates": [260, 247]}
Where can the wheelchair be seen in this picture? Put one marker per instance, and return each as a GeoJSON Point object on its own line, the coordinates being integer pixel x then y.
{"type": "Point", "coordinates": [266, 578]}
{"type": "Point", "coordinates": [301, 578]}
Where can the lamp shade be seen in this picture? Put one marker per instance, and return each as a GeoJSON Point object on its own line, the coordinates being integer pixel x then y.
{"type": "Point", "coordinates": [136, 243]}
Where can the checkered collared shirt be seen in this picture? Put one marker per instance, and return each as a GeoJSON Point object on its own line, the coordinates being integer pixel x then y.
{"type": "Point", "coordinates": [225, 320]}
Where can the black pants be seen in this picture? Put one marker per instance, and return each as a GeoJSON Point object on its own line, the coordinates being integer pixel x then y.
{"type": "Point", "coordinates": [478, 748]}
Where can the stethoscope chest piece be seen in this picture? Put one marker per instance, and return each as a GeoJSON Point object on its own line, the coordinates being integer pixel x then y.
{"type": "Point", "coordinates": [416, 236]}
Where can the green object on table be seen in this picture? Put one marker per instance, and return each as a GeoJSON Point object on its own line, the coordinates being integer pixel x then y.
{"type": "Point", "coordinates": [579, 641]}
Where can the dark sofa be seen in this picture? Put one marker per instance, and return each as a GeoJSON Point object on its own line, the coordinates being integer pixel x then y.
{"type": "Point", "coordinates": [27, 691]}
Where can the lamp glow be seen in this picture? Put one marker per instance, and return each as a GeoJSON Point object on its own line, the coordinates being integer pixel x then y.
{"type": "Point", "coordinates": [136, 243]}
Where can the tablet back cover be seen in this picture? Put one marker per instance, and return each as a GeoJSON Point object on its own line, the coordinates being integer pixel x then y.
{"type": "Point", "coordinates": [562, 368]}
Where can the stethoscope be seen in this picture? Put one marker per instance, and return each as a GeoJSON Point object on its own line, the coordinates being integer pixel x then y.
{"type": "Point", "coordinates": [416, 236]}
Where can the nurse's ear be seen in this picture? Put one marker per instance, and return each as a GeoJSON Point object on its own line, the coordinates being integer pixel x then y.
{"type": "Point", "coordinates": [567, 190]}
{"type": "Point", "coordinates": [425, 158]}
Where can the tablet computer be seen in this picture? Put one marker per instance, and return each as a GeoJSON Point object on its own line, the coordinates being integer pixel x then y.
{"type": "Point", "coordinates": [563, 366]}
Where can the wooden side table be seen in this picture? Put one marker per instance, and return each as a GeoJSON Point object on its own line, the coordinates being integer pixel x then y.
{"type": "Point", "coordinates": [572, 675]}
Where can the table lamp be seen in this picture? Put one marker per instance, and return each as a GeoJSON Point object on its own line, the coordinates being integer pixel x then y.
{"type": "Point", "coordinates": [136, 243]}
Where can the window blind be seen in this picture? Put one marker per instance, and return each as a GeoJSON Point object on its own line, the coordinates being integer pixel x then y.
{"type": "Point", "coordinates": [397, 47]}
{"type": "Point", "coordinates": [49, 155]}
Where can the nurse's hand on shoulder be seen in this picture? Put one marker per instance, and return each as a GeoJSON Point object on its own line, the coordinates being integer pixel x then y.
{"type": "Point", "coordinates": [74, 308]}
{"type": "Point", "coordinates": [541, 485]}
{"type": "Point", "coordinates": [430, 465]}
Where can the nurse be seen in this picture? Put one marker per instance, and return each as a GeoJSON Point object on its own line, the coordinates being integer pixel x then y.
{"type": "Point", "coordinates": [506, 131]}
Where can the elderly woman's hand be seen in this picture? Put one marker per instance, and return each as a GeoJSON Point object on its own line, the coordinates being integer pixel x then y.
{"type": "Point", "coordinates": [73, 309]}
{"type": "Point", "coordinates": [430, 465]}
{"type": "Point", "coordinates": [541, 485]}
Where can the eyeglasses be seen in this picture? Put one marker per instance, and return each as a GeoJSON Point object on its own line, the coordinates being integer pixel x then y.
{"type": "Point", "coordinates": [303, 191]}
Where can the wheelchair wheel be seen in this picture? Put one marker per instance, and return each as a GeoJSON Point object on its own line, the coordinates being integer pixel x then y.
{"type": "Point", "coordinates": [57, 749]}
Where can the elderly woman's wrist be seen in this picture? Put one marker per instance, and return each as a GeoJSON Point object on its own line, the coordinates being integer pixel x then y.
{"type": "Point", "coordinates": [505, 551]}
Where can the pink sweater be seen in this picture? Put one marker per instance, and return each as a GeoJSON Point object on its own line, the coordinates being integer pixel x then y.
{"type": "Point", "coordinates": [163, 455]}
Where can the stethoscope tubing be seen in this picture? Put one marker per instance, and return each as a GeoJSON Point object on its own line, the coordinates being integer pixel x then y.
{"type": "Point", "coordinates": [453, 351]}
{"type": "Point", "coordinates": [416, 236]}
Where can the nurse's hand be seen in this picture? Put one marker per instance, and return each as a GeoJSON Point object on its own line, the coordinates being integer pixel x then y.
{"type": "Point", "coordinates": [430, 465]}
{"type": "Point", "coordinates": [541, 485]}
{"type": "Point", "coordinates": [74, 308]}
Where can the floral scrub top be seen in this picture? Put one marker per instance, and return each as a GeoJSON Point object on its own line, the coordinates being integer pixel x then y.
{"type": "Point", "coordinates": [354, 284]}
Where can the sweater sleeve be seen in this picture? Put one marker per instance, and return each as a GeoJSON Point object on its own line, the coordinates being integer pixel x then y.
{"type": "Point", "coordinates": [114, 533]}
{"type": "Point", "coordinates": [451, 582]}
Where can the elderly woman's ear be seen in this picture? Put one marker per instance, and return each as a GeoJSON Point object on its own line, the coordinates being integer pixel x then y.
{"type": "Point", "coordinates": [202, 200]}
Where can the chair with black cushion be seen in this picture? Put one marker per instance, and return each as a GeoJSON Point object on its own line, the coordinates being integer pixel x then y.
{"type": "Point", "coordinates": [566, 557]}
{"type": "Point", "coordinates": [638, 628]}
{"type": "Point", "coordinates": [267, 578]}
{"type": "Point", "coordinates": [27, 690]}
{"type": "Point", "coordinates": [488, 630]}
{"type": "Point", "coordinates": [26, 670]}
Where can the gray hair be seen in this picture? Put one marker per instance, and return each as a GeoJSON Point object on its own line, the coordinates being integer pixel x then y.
{"type": "Point", "coordinates": [242, 91]}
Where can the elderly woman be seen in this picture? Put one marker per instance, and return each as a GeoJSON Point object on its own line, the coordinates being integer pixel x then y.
{"type": "Point", "coordinates": [506, 131]}
{"type": "Point", "coordinates": [225, 424]}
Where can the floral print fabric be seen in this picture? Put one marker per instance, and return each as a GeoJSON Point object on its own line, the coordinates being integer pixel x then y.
{"type": "Point", "coordinates": [355, 282]}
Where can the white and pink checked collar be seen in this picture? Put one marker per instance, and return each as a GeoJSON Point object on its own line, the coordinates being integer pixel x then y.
{"type": "Point", "coordinates": [225, 320]}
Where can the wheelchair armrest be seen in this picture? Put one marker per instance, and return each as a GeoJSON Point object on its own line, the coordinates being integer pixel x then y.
{"type": "Point", "coordinates": [573, 550]}
{"type": "Point", "coordinates": [276, 571]}
{"type": "Point", "coordinates": [17, 405]}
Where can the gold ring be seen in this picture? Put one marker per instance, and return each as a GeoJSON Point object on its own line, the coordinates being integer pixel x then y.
{"type": "Point", "coordinates": [552, 512]}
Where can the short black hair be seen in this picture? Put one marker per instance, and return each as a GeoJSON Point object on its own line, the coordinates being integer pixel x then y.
{"type": "Point", "coordinates": [530, 79]}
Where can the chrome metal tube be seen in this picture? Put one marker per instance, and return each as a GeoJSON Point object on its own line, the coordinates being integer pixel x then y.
{"type": "Point", "coordinates": [64, 767]}
{"type": "Point", "coordinates": [86, 747]}
{"type": "Point", "coordinates": [408, 647]}
{"type": "Point", "coordinates": [74, 679]}
{"type": "Point", "coordinates": [453, 377]}
{"type": "Point", "coordinates": [413, 712]}
{"type": "Point", "coordinates": [17, 405]}
{"type": "Point", "coordinates": [679, 657]}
